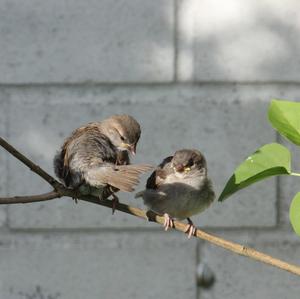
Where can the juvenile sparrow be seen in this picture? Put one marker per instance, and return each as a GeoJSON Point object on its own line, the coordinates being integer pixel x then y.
{"type": "Point", "coordinates": [179, 188]}
{"type": "Point", "coordinates": [95, 157]}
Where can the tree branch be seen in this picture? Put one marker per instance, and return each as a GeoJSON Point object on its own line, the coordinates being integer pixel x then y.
{"type": "Point", "coordinates": [29, 198]}
{"type": "Point", "coordinates": [60, 191]}
{"type": "Point", "coordinates": [35, 168]}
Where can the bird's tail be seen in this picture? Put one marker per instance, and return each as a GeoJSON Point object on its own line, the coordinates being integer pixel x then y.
{"type": "Point", "coordinates": [123, 177]}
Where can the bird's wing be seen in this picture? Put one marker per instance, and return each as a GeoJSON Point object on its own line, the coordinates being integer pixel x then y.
{"type": "Point", "coordinates": [159, 175]}
{"type": "Point", "coordinates": [123, 177]}
{"type": "Point", "coordinates": [87, 147]}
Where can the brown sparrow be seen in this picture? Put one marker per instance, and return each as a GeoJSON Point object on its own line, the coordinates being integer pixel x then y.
{"type": "Point", "coordinates": [179, 188]}
{"type": "Point", "coordinates": [95, 157]}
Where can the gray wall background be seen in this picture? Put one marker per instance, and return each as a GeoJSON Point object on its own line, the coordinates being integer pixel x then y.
{"type": "Point", "coordinates": [195, 74]}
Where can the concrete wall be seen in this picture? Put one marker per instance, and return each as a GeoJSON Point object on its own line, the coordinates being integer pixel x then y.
{"type": "Point", "coordinates": [195, 74]}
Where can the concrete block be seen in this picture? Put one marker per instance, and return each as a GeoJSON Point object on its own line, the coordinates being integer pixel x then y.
{"type": "Point", "coordinates": [108, 265]}
{"type": "Point", "coordinates": [94, 41]}
{"type": "Point", "coordinates": [3, 160]}
{"type": "Point", "coordinates": [238, 41]}
{"type": "Point", "coordinates": [240, 277]}
{"type": "Point", "coordinates": [227, 123]}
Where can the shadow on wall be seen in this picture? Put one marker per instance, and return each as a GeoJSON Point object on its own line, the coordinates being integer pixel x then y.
{"type": "Point", "coordinates": [149, 41]}
{"type": "Point", "coordinates": [239, 41]}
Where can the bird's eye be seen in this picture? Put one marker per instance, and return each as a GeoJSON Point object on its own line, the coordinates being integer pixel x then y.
{"type": "Point", "coordinates": [122, 138]}
{"type": "Point", "coordinates": [190, 163]}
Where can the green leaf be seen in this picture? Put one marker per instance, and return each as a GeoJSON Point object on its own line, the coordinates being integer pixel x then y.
{"type": "Point", "coordinates": [269, 160]}
{"type": "Point", "coordinates": [295, 213]}
{"type": "Point", "coordinates": [285, 118]}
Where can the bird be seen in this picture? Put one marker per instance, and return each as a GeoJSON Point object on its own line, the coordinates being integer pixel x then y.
{"type": "Point", "coordinates": [179, 188]}
{"type": "Point", "coordinates": [94, 159]}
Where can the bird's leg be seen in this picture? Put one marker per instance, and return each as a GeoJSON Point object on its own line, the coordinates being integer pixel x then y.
{"type": "Point", "coordinates": [191, 230]}
{"type": "Point", "coordinates": [168, 222]}
{"type": "Point", "coordinates": [115, 199]}
{"type": "Point", "coordinates": [76, 195]}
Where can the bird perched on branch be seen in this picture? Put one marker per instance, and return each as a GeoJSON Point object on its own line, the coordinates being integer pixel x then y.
{"type": "Point", "coordinates": [179, 188]}
{"type": "Point", "coordinates": [95, 157]}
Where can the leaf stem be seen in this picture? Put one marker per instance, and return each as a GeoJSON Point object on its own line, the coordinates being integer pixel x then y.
{"type": "Point", "coordinates": [295, 173]}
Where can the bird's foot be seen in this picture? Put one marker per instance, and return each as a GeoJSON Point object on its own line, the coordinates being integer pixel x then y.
{"type": "Point", "coordinates": [75, 199]}
{"type": "Point", "coordinates": [191, 230]}
{"type": "Point", "coordinates": [77, 195]}
{"type": "Point", "coordinates": [169, 223]}
{"type": "Point", "coordinates": [115, 201]}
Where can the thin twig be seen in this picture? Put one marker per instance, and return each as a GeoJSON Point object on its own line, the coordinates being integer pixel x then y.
{"type": "Point", "coordinates": [29, 198]}
{"type": "Point", "coordinates": [180, 226]}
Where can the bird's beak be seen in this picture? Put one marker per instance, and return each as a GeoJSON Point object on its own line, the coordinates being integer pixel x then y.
{"type": "Point", "coordinates": [187, 169]}
{"type": "Point", "coordinates": [133, 149]}
{"type": "Point", "coordinates": [181, 168]}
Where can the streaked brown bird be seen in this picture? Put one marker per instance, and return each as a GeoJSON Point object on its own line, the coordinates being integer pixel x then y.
{"type": "Point", "coordinates": [95, 158]}
{"type": "Point", "coordinates": [179, 188]}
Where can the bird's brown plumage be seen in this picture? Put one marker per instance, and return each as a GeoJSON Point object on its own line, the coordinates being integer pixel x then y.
{"type": "Point", "coordinates": [94, 155]}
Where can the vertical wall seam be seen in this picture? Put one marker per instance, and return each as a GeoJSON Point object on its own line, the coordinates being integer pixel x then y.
{"type": "Point", "coordinates": [175, 37]}
{"type": "Point", "coordinates": [278, 194]}
{"type": "Point", "coordinates": [7, 170]}
{"type": "Point", "coordinates": [198, 258]}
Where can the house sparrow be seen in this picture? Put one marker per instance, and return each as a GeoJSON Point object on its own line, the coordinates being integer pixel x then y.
{"type": "Point", "coordinates": [95, 157]}
{"type": "Point", "coordinates": [179, 188]}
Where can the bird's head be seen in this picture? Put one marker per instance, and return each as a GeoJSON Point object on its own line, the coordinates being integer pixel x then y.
{"type": "Point", "coordinates": [123, 131]}
{"type": "Point", "coordinates": [189, 162]}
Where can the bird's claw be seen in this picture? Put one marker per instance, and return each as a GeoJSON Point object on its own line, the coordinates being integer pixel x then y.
{"type": "Point", "coordinates": [168, 223]}
{"type": "Point", "coordinates": [75, 199]}
{"type": "Point", "coordinates": [76, 195]}
{"type": "Point", "coordinates": [115, 201]}
{"type": "Point", "coordinates": [191, 229]}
